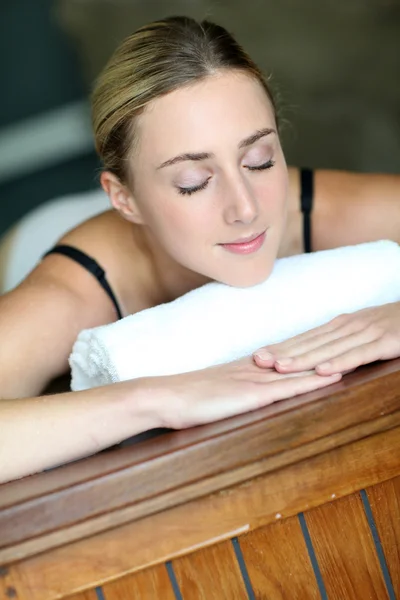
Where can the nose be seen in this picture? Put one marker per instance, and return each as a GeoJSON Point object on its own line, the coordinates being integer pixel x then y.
{"type": "Point", "coordinates": [241, 204]}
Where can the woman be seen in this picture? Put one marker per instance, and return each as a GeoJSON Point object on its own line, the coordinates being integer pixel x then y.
{"type": "Point", "coordinates": [186, 128]}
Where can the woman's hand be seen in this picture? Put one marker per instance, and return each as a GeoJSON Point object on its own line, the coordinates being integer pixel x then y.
{"type": "Point", "coordinates": [339, 346]}
{"type": "Point", "coordinates": [222, 391]}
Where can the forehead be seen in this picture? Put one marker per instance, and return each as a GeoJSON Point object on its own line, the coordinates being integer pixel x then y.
{"type": "Point", "coordinates": [227, 106]}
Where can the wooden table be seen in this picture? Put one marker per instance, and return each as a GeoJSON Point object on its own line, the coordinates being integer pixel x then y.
{"type": "Point", "coordinates": [299, 500]}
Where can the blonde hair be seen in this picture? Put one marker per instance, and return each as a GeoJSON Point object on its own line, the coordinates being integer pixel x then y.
{"type": "Point", "coordinates": [155, 60]}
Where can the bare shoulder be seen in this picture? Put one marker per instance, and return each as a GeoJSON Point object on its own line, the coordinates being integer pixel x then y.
{"type": "Point", "coordinates": [348, 208]}
{"type": "Point", "coordinates": [41, 318]}
{"type": "Point", "coordinates": [113, 243]}
{"type": "Point", "coordinates": [352, 208]}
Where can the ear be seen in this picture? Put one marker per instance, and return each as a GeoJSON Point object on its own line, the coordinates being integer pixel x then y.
{"type": "Point", "coordinates": [121, 198]}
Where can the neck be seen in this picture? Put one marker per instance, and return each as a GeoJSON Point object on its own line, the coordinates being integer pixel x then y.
{"type": "Point", "coordinates": [172, 279]}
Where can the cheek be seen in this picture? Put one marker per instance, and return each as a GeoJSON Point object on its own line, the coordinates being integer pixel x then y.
{"type": "Point", "coordinates": [273, 193]}
{"type": "Point", "coordinates": [179, 223]}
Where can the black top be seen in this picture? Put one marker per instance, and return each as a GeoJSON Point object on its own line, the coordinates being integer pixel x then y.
{"type": "Point", "coordinates": [87, 262]}
{"type": "Point", "coordinates": [306, 202]}
{"type": "Point", "coordinates": [90, 265]}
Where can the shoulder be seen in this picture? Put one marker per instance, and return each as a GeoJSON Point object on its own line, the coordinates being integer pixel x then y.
{"type": "Point", "coordinates": [352, 208]}
{"type": "Point", "coordinates": [59, 298]}
{"type": "Point", "coordinates": [22, 246]}
{"type": "Point", "coordinates": [114, 244]}
{"type": "Point", "coordinates": [348, 208]}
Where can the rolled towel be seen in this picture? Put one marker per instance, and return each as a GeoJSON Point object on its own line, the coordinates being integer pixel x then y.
{"type": "Point", "coordinates": [217, 323]}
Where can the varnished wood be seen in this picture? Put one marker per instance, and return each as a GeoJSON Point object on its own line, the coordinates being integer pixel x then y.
{"type": "Point", "coordinates": [278, 563]}
{"type": "Point", "coordinates": [104, 491]}
{"type": "Point", "coordinates": [384, 500]}
{"type": "Point", "coordinates": [191, 490]}
{"type": "Point", "coordinates": [150, 584]}
{"type": "Point", "coordinates": [9, 584]}
{"type": "Point", "coordinates": [210, 574]}
{"type": "Point", "coordinates": [345, 550]}
{"type": "Point", "coordinates": [86, 595]}
{"type": "Point", "coordinates": [206, 521]}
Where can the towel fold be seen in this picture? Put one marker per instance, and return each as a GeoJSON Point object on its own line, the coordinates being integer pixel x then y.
{"type": "Point", "coordinates": [217, 323]}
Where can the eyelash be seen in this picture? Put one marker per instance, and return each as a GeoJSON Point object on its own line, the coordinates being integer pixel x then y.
{"type": "Point", "coordinates": [192, 190]}
{"type": "Point", "coordinates": [263, 167]}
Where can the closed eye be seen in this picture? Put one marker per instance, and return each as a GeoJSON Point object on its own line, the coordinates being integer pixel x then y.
{"type": "Point", "coordinates": [267, 165]}
{"type": "Point", "coordinates": [187, 191]}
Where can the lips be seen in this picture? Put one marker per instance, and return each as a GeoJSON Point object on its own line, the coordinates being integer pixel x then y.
{"type": "Point", "coordinates": [245, 240]}
{"type": "Point", "coordinates": [246, 245]}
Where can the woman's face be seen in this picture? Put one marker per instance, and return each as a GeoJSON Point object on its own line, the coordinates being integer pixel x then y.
{"type": "Point", "coordinates": [209, 171]}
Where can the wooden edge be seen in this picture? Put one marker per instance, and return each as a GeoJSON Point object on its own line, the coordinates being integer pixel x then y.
{"type": "Point", "coordinates": [169, 499]}
{"type": "Point", "coordinates": [105, 462]}
{"type": "Point", "coordinates": [136, 492]}
{"type": "Point", "coordinates": [253, 504]}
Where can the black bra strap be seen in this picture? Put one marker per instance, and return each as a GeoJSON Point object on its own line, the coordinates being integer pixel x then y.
{"type": "Point", "coordinates": [306, 198]}
{"type": "Point", "coordinates": [90, 265]}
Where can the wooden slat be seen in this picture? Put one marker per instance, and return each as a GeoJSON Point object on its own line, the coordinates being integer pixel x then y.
{"type": "Point", "coordinates": [384, 500]}
{"type": "Point", "coordinates": [210, 574]}
{"type": "Point", "coordinates": [345, 550]}
{"type": "Point", "coordinates": [149, 584]}
{"type": "Point", "coordinates": [211, 519]}
{"type": "Point", "coordinates": [278, 563]}
{"type": "Point", "coordinates": [159, 474]}
{"type": "Point", "coordinates": [86, 595]}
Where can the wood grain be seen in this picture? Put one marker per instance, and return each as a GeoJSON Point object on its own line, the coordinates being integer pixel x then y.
{"type": "Point", "coordinates": [345, 550]}
{"type": "Point", "coordinates": [162, 537]}
{"type": "Point", "coordinates": [100, 493]}
{"type": "Point", "coordinates": [384, 499]}
{"type": "Point", "coordinates": [9, 584]}
{"type": "Point", "coordinates": [86, 595]}
{"type": "Point", "coordinates": [149, 584]}
{"type": "Point", "coordinates": [278, 563]}
{"type": "Point", "coordinates": [210, 574]}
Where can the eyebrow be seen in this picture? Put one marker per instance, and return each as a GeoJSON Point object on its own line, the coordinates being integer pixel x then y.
{"type": "Point", "coordinates": [197, 156]}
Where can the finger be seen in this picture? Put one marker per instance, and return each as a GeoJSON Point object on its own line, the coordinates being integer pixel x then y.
{"type": "Point", "coordinates": [350, 360]}
{"type": "Point", "coordinates": [263, 358]}
{"type": "Point", "coordinates": [311, 343]}
{"type": "Point", "coordinates": [326, 352]}
{"type": "Point", "coordinates": [263, 376]}
{"type": "Point", "coordinates": [288, 388]}
{"type": "Point", "coordinates": [303, 342]}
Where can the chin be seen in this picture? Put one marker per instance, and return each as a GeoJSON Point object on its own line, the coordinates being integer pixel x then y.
{"type": "Point", "coordinates": [247, 277]}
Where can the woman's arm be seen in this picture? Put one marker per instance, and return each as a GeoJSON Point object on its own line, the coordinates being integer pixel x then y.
{"type": "Point", "coordinates": [40, 320]}
{"type": "Point", "coordinates": [38, 433]}
{"type": "Point", "coordinates": [348, 208]}
{"type": "Point", "coordinates": [43, 432]}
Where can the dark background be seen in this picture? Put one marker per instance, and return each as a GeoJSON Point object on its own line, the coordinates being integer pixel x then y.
{"type": "Point", "coordinates": [334, 65]}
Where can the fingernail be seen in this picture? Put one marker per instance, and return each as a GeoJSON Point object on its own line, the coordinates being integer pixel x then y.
{"type": "Point", "coordinates": [263, 355]}
{"type": "Point", "coordinates": [325, 366]}
{"type": "Point", "coordinates": [284, 362]}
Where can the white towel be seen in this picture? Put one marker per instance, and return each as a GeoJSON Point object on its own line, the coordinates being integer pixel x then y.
{"type": "Point", "coordinates": [218, 323]}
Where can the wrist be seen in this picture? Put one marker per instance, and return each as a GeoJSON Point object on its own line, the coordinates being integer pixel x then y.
{"type": "Point", "coordinates": [143, 404]}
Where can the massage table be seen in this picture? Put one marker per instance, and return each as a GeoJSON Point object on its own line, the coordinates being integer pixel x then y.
{"type": "Point", "coordinates": [300, 499]}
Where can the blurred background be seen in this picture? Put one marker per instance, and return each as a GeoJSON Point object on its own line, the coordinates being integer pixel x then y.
{"type": "Point", "coordinates": [334, 65]}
